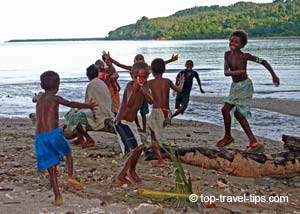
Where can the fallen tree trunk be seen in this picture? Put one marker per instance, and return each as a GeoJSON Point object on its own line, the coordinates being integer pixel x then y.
{"type": "Point", "coordinates": [291, 143]}
{"type": "Point", "coordinates": [240, 163]}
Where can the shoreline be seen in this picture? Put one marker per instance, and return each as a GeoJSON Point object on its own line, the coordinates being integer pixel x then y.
{"type": "Point", "coordinates": [290, 107]}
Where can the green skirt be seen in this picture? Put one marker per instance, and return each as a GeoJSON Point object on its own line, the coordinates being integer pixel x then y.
{"type": "Point", "coordinates": [73, 117]}
{"type": "Point", "coordinates": [240, 96]}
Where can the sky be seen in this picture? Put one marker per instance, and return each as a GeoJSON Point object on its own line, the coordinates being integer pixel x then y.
{"type": "Point", "coordinates": [24, 19]}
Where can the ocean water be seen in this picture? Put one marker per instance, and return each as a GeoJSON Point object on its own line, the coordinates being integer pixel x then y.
{"type": "Point", "coordinates": [22, 64]}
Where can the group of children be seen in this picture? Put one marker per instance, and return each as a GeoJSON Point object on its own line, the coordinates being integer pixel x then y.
{"type": "Point", "coordinates": [51, 145]}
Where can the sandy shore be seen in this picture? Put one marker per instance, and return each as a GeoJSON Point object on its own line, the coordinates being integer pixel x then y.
{"type": "Point", "coordinates": [24, 190]}
{"type": "Point", "coordinates": [282, 106]}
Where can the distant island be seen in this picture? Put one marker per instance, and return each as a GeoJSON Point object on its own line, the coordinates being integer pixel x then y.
{"type": "Point", "coordinates": [56, 40]}
{"type": "Point", "coordinates": [277, 19]}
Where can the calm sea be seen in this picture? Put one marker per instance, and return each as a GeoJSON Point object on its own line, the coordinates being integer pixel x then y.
{"type": "Point", "coordinates": [22, 64]}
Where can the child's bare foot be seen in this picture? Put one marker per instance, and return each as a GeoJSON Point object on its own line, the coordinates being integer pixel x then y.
{"type": "Point", "coordinates": [160, 164]}
{"type": "Point", "coordinates": [122, 180]}
{"type": "Point", "coordinates": [58, 202]}
{"type": "Point", "coordinates": [89, 143]}
{"type": "Point", "coordinates": [255, 147]}
{"type": "Point", "coordinates": [75, 184]}
{"type": "Point", "coordinates": [225, 141]}
{"type": "Point", "coordinates": [135, 177]}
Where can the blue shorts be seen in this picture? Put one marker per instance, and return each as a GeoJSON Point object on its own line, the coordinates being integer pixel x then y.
{"type": "Point", "coordinates": [50, 148]}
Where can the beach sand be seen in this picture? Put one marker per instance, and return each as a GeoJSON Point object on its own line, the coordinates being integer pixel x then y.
{"type": "Point", "coordinates": [24, 190]}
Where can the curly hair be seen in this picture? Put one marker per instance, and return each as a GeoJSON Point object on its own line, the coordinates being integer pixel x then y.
{"type": "Point", "coordinates": [241, 34]}
{"type": "Point", "coordinates": [158, 66]}
{"type": "Point", "coordinates": [49, 80]}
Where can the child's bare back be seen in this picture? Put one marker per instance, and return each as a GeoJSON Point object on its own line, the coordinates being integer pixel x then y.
{"type": "Point", "coordinates": [47, 112]}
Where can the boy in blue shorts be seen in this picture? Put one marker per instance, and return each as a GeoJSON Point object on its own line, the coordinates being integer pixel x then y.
{"type": "Point", "coordinates": [50, 144]}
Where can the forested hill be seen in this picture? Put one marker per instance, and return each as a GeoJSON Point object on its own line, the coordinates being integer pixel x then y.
{"type": "Point", "coordinates": [280, 18]}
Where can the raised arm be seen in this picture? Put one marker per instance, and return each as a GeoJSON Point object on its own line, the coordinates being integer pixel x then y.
{"type": "Point", "coordinates": [107, 56]}
{"type": "Point", "coordinates": [173, 59]}
{"type": "Point", "coordinates": [256, 59]}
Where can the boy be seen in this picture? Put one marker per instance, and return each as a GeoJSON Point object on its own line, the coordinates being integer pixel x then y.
{"type": "Point", "coordinates": [240, 96]}
{"type": "Point", "coordinates": [183, 97]}
{"type": "Point", "coordinates": [160, 88]}
{"type": "Point", "coordinates": [144, 110]}
{"type": "Point", "coordinates": [134, 94]}
{"type": "Point", "coordinates": [50, 143]}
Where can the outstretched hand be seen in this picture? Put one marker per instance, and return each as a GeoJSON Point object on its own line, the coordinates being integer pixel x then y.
{"type": "Point", "coordinates": [106, 55]}
{"type": "Point", "coordinates": [181, 78]}
{"type": "Point", "coordinates": [174, 58]}
{"type": "Point", "coordinates": [276, 81]}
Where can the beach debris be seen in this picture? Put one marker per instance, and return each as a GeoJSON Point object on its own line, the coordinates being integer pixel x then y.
{"type": "Point", "coordinates": [233, 161]}
{"type": "Point", "coordinates": [222, 183]}
{"type": "Point", "coordinates": [9, 196]}
{"type": "Point", "coordinates": [159, 194]}
{"type": "Point", "coordinates": [114, 162]}
{"type": "Point", "coordinates": [2, 189]}
{"type": "Point", "coordinates": [103, 204]}
{"type": "Point", "coordinates": [149, 209]}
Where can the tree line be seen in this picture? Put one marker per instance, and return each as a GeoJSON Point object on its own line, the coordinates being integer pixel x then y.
{"type": "Point", "coordinates": [279, 18]}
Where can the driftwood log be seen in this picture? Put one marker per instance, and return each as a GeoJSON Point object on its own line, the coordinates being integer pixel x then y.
{"type": "Point", "coordinates": [240, 163]}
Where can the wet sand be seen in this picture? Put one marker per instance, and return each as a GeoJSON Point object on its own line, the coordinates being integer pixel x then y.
{"type": "Point", "coordinates": [291, 107]}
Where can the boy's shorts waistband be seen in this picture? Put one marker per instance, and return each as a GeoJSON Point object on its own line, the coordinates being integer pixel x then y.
{"type": "Point", "coordinates": [48, 133]}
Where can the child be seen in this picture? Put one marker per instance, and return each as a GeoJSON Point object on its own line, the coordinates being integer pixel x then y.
{"type": "Point", "coordinates": [144, 110]}
{"type": "Point", "coordinates": [239, 100]}
{"type": "Point", "coordinates": [50, 143]}
{"type": "Point", "coordinates": [134, 94]}
{"type": "Point", "coordinates": [160, 88]}
{"type": "Point", "coordinates": [113, 85]}
{"type": "Point", "coordinates": [182, 98]}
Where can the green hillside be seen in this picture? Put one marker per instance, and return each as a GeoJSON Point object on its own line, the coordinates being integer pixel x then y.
{"type": "Point", "coordinates": [280, 18]}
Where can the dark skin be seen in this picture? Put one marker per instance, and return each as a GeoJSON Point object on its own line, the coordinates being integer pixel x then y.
{"type": "Point", "coordinates": [137, 58]}
{"type": "Point", "coordinates": [47, 119]}
{"type": "Point", "coordinates": [189, 69]}
{"type": "Point", "coordinates": [160, 88]}
{"type": "Point", "coordinates": [236, 66]}
{"type": "Point", "coordinates": [135, 92]}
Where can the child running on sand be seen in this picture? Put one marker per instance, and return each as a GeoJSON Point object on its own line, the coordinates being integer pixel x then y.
{"type": "Point", "coordinates": [160, 88]}
{"type": "Point", "coordinates": [240, 96]}
{"type": "Point", "coordinates": [144, 110]}
{"type": "Point", "coordinates": [134, 94]}
{"type": "Point", "coordinates": [183, 97]}
{"type": "Point", "coordinates": [50, 143]}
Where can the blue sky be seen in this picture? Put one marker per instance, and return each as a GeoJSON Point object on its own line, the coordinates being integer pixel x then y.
{"type": "Point", "coordinates": [88, 18]}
